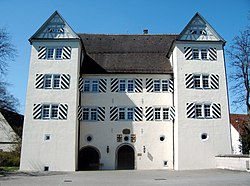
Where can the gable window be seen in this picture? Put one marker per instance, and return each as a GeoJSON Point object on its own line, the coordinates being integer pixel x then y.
{"type": "Point", "coordinates": [126, 85]}
{"type": "Point", "coordinates": [203, 110]}
{"type": "Point", "coordinates": [161, 85]}
{"type": "Point", "coordinates": [89, 114]}
{"type": "Point", "coordinates": [126, 113]}
{"type": "Point", "coordinates": [90, 85]}
{"type": "Point", "coordinates": [50, 111]}
{"type": "Point", "coordinates": [52, 81]}
{"type": "Point", "coordinates": [54, 53]}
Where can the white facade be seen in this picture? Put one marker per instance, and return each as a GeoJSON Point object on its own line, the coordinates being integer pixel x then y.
{"type": "Point", "coordinates": [119, 120]}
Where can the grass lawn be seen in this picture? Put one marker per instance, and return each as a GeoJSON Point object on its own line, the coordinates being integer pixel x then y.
{"type": "Point", "coordinates": [7, 169]}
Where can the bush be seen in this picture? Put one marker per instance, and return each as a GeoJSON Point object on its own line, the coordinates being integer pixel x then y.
{"type": "Point", "coordinates": [9, 159]}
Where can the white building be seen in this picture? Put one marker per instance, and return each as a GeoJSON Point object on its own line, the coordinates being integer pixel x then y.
{"type": "Point", "coordinates": [98, 101]}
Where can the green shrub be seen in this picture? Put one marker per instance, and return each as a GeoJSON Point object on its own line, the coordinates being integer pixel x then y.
{"type": "Point", "coordinates": [9, 159]}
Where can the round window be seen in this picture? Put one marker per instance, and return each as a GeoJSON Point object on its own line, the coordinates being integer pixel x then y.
{"type": "Point", "coordinates": [204, 136]}
{"type": "Point", "coordinates": [126, 138]}
{"type": "Point", "coordinates": [162, 138]}
{"type": "Point", "coordinates": [88, 138]}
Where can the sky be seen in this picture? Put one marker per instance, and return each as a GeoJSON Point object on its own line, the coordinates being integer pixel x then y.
{"type": "Point", "coordinates": [22, 18]}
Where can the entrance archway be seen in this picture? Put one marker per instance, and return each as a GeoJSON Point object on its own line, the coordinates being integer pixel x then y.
{"type": "Point", "coordinates": [88, 159]}
{"type": "Point", "coordinates": [125, 158]}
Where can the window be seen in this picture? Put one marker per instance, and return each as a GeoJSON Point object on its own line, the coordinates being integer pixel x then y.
{"type": "Point", "coordinates": [157, 113]}
{"type": "Point", "coordinates": [50, 111]}
{"type": "Point", "coordinates": [204, 54]}
{"type": "Point", "coordinates": [47, 137]}
{"type": "Point", "coordinates": [165, 113]}
{"type": "Point", "coordinates": [201, 81]}
{"type": "Point", "coordinates": [195, 53]}
{"type": "Point", "coordinates": [160, 85]}
{"type": "Point", "coordinates": [126, 113]}
{"type": "Point", "coordinates": [89, 114]}
{"type": "Point", "coordinates": [126, 85]}
{"type": "Point", "coordinates": [52, 81]}
{"type": "Point", "coordinates": [200, 53]}
{"type": "Point", "coordinates": [161, 113]}
{"type": "Point", "coordinates": [91, 85]}
{"type": "Point", "coordinates": [203, 110]}
{"type": "Point", "coordinates": [54, 53]}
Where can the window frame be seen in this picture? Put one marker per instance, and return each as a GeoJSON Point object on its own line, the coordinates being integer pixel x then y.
{"type": "Point", "coordinates": [91, 83]}
{"type": "Point", "coordinates": [52, 80]}
{"type": "Point", "coordinates": [91, 114]}
{"type": "Point", "coordinates": [52, 53]}
{"type": "Point", "coordinates": [160, 113]}
{"type": "Point", "coordinates": [158, 85]}
{"type": "Point", "coordinates": [198, 53]}
{"type": "Point", "coordinates": [49, 112]}
{"type": "Point", "coordinates": [123, 85]}
{"type": "Point", "coordinates": [203, 111]}
{"type": "Point", "coordinates": [200, 79]}
{"type": "Point", "coordinates": [126, 112]}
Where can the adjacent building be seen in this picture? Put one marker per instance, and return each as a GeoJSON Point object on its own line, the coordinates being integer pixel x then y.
{"type": "Point", "coordinates": [146, 101]}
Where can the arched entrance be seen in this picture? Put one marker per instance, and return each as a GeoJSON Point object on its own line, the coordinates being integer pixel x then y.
{"type": "Point", "coordinates": [88, 159]}
{"type": "Point", "coordinates": [125, 158]}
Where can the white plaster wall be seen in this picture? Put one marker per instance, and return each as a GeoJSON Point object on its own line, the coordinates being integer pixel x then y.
{"type": "Point", "coordinates": [7, 135]}
{"type": "Point", "coordinates": [235, 141]}
{"type": "Point", "coordinates": [147, 132]}
{"type": "Point", "coordinates": [190, 151]}
{"type": "Point", "coordinates": [60, 152]}
{"type": "Point", "coordinates": [233, 163]}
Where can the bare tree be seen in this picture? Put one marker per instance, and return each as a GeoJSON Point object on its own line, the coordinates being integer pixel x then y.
{"type": "Point", "coordinates": [7, 53]}
{"type": "Point", "coordinates": [7, 50]}
{"type": "Point", "coordinates": [239, 54]}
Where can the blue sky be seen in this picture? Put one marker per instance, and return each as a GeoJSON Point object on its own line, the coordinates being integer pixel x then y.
{"type": "Point", "coordinates": [23, 18]}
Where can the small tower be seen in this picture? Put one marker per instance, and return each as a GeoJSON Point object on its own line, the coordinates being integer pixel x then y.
{"type": "Point", "coordinates": [202, 128]}
{"type": "Point", "coordinates": [51, 125]}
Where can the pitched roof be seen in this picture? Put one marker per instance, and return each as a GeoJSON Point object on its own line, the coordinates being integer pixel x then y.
{"type": "Point", "coordinates": [15, 120]}
{"type": "Point", "coordinates": [239, 121]}
{"type": "Point", "coordinates": [126, 53]}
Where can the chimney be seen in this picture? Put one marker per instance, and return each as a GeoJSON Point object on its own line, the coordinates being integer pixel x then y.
{"type": "Point", "coordinates": [145, 31]}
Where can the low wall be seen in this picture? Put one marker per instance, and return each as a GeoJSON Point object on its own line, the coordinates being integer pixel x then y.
{"type": "Point", "coordinates": [233, 162]}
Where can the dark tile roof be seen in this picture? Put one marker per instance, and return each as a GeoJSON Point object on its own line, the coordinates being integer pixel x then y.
{"type": "Point", "coordinates": [126, 53]}
{"type": "Point", "coordinates": [239, 121]}
{"type": "Point", "coordinates": [15, 120]}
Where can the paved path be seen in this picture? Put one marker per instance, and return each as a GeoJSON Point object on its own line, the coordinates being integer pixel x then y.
{"type": "Point", "coordinates": [128, 178]}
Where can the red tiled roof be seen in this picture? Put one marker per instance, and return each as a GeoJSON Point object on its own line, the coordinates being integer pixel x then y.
{"type": "Point", "coordinates": [239, 121]}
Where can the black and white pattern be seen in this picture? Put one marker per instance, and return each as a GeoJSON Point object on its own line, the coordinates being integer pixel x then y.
{"type": "Point", "coordinates": [171, 85]}
{"type": "Point", "coordinates": [190, 110]}
{"type": "Point", "coordinates": [149, 85]}
{"type": "Point", "coordinates": [81, 84]}
{"type": "Point", "coordinates": [39, 81]}
{"type": "Point", "coordinates": [138, 113]}
{"type": "Point", "coordinates": [42, 52]}
{"type": "Point", "coordinates": [101, 114]}
{"type": "Point", "coordinates": [114, 85]}
{"type": "Point", "coordinates": [214, 81]}
{"type": "Point", "coordinates": [138, 85]}
{"type": "Point", "coordinates": [63, 111]}
{"type": "Point", "coordinates": [37, 111]}
{"type": "Point", "coordinates": [113, 113]}
{"type": "Point", "coordinates": [80, 113]}
{"type": "Point", "coordinates": [149, 113]}
{"type": "Point", "coordinates": [188, 53]}
{"type": "Point", "coordinates": [189, 80]}
{"type": "Point", "coordinates": [172, 113]}
{"type": "Point", "coordinates": [212, 54]}
{"type": "Point", "coordinates": [66, 52]}
{"type": "Point", "coordinates": [65, 81]}
{"type": "Point", "coordinates": [102, 85]}
{"type": "Point", "coordinates": [216, 110]}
